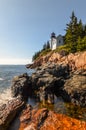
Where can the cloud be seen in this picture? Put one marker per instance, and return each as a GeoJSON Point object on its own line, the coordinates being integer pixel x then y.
{"type": "Point", "coordinates": [14, 61]}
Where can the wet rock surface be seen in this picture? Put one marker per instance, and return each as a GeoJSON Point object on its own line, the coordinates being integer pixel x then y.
{"type": "Point", "coordinates": [58, 75]}
{"type": "Point", "coordinates": [52, 80]}
{"type": "Point", "coordinates": [64, 78]}
{"type": "Point", "coordinates": [76, 89]}
{"type": "Point", "coordinates": [48, 79]}
{"type": "Point", "coordinates": [43, 119]}
{"type": "Point", "coordinates": [21, 86]}
{"type": "Point", "coordinates": [9, 111]}
{"type": "Point", "coordinates": [59, 80]}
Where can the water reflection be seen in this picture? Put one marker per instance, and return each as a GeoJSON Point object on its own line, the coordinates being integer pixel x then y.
{"type": "Point", "coordinates": [60, 107]}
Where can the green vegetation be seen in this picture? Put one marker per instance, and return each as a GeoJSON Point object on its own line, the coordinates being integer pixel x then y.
{"type": "Point", "coordinates": [79, 45]}
{"type": "Point", "coordinates": [64, 48]}
{"type": "Point", "coordinates": [74, 39]}
{"type": "Point", "coordinates": [46, 49]}
{"type": "Point", "coordinates": [36, 55]}
{"type": "Point", "coordinates": [45, 52]}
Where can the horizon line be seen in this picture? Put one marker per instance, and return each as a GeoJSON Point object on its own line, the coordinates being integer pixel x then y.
{"type": "Point", "coordinates": [12, 64]}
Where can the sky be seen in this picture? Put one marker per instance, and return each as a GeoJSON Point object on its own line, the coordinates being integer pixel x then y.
{"type": "Point", "coordinates": [25, 25]}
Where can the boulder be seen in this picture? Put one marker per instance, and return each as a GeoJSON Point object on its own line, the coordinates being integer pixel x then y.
{"type": "Point", "coordinates": [60, 80]}
{"type": "Point", "coordinates": [9, 111]}
{"type": "Point", "coordinates": [75, 87]}
{"type": "Point", "coordinates": [47, 81]}
{"type": "Point", "coordinates": [21, 86]}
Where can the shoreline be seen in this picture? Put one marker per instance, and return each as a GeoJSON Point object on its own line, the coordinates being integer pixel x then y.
{"type": "Point", "coordinates": [47, 80]}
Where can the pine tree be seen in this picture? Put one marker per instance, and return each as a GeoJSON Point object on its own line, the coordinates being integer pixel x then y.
{"type": "Point", "coordinates": [44, 46]}
{"type": "Point", "coordinates": [84, 32]}
{"type": "Point", "coordinates": [80, 29]}
{"type": "Point", "coordinates": [71, 30]}
{"type": "Point", "coordinates": [48, 45]}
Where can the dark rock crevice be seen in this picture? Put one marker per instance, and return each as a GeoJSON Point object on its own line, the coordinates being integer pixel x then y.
{"type": "Point", "coordinates": [21, 86]}
{"type": "Point", "coordinates": [43, 84]}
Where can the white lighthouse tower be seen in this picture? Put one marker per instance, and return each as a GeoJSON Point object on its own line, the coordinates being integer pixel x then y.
{"type": "Point", "coordinates": [53, 41]}
{"type": "Point", "coordinates": [56, 41]}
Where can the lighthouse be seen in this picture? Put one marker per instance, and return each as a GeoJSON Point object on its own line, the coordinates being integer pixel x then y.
{"type": "Point", "coordinates": [53, 41]}
{"type": "Point", "coordinates": [56, 41]}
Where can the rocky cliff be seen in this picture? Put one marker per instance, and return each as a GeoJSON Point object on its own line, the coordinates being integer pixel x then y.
{"type": "Point", "coordinates": [56, 74]}
{"type": "Point", "coordinates": [75, 61]}
{"type": "Point", "coordinates": [60, 75]}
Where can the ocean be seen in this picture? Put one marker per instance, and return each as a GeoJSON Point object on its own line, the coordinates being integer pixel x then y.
{"type": "Point", "coordinates": [7, 72]}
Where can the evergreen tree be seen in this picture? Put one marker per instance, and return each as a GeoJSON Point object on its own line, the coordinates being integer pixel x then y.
{"type": "Point", "coordinates": [48, 45]}
{"type": "Point", "coordinates": [36, 55]}
{"type": "Point", "coordinates": [44, 46]}
{"type": "Point", "coordinates": [71, 30]}
{"type": "Point", "coordinates": [80, 29]}
{"type": "Point", "coordinates": [84, 32]}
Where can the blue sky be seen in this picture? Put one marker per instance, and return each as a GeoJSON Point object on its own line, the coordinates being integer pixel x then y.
{"type": "Point", "coordinates": [25, 25]}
